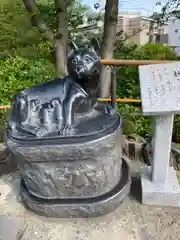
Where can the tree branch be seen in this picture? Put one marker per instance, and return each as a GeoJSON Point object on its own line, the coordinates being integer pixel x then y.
{"type": "Point", "coordinates": [108, 40]}
{"type": "Point", "coordinates": [61, 37]}
{"type": "Point", "coordinates": [37, 21]}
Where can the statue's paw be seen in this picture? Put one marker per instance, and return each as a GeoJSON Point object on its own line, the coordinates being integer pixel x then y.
{"type": "Point", "coordinates": [41, 132]}
{"type": "Point", "coordinates": [66, 130]}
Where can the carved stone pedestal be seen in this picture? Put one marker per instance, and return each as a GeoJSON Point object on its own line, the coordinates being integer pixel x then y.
{"type": "Point", "coordinates": [76, 177]}
{"type": "Point", "coordinates": [82, 207]}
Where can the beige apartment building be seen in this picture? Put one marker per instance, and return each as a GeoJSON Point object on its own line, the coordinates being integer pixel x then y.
{"type": "Point", "coordinates": [138, 29]}
{"type": "Point", "coordinates": [133, 27]}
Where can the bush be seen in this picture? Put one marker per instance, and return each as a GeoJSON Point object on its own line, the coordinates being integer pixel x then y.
{"type": "Point", "coordinates": [134, 122]}
{"type": "Point", "coordinates": [156, 52]}
{"type": "Point", "coordinates": [16, 30]}
{"type": "Point", "coordinates": [127, 76]}
{"type": "Point", "coordinates": [17, 73]}
{"type": "Point", "coordinates": [176, 129]}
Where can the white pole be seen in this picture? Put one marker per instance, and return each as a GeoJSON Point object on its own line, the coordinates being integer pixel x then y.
{"type": "Point", "coordinates": [163, 126]}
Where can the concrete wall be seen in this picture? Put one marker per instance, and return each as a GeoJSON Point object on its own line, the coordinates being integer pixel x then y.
{"type": "Point", "coordinates": [134, 30]}
{"type": "Point", "coordinates": [134, 27]}
{"type": "Point", "coordinates": [174, 34]}
{"type": "Point", "coordinates": [164, 38]}
{"type": "Point", "coordinates": [144, 33]}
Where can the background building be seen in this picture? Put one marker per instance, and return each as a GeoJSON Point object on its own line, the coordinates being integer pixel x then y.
{"type": "Point", "coordinates": [138, 29]}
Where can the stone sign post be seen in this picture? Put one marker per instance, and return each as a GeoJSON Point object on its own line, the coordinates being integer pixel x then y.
{"type": "Point", "coordinates": [160, 93]}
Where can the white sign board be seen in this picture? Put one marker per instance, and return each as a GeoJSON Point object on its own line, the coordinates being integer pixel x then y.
{"type": "Point", "coordinates": [160, 88]}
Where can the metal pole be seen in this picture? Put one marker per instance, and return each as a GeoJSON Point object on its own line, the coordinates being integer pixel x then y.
{"type": "Point", "coordinates": [113, 88]}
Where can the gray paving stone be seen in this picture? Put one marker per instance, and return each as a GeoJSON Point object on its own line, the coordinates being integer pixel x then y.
{"type": "Point", "coordinates": [11, 228]}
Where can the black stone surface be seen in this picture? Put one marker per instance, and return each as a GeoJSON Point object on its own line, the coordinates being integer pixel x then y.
{"type": "Point", "coordinates": [83, 207]}
{"type": "Point", "coordinates": [67, 145]}
{"type": "Point", "coordinates": [58, 107]}
{"type": "Point", "coordinates": [95, 124]}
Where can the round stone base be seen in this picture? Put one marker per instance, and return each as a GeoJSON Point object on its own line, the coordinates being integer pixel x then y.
{"type": "Point", "coordinates": [68, 169]}
{"type": "Point", "coordinates": [83, 207]}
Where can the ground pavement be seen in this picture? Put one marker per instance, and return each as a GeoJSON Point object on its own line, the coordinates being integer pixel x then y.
{"type": "Point", "coordinates": [129, 222]}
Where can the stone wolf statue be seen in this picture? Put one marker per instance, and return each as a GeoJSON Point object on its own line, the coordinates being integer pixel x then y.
{"type": "Point", "coordinates": [51, 106]}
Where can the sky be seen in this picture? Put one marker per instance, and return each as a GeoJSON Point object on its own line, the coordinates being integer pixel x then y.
{"type": "Point", "coordinates": [145, 7]}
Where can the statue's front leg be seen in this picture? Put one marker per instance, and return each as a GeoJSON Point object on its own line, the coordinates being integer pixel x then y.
{"type": "Point", "coordinates": [46, 125]}
{"type": "Point", "coordinates": [12, 124]}
{"type": "Point", "coordinates": [19, 114]}
{"type": "Point", "coordinates": [69, 108]}
{"type": "Point", "coordinates": [67, 130]}
{"type": "Point", "coordinates": [59, 113]}
{"type": "Point", "coordinates": [67, 116]}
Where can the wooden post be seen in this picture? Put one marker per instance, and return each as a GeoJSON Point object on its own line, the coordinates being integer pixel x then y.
{"type": "Point", "coordinates": [113, 88]}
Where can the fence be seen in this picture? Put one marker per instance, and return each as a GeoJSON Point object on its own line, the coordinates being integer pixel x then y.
{"type": "Point", "coordinates": [115, 63]}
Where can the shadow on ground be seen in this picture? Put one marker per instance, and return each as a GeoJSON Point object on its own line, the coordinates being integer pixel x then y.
{"type": "Point", "coordinates": [7, 164]}
{"type": "Point", "coordinates": [6, 168]}
{"type": "Point", "coordinates": [136, 190]}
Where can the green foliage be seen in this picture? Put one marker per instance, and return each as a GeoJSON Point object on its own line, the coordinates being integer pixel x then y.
{"type": "Point", "coordinates": [76, 14]}
{"type": "Point", "coordinates": [134, 122]}
{"type": "Point", "coordinates": [19, 38]}
{"type": "Point", "coordinates": [17, 73]}
{"type": "Point", "coordinates": [156, 52]}
{"type": "Point", "coordinates": [16, 32]}
{"type": "Point", "coordinates": [127, 77]}
{"type": "Point", "coordinates": [176, 129]}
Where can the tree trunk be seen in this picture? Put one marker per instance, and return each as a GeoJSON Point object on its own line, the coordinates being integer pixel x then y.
{"type": "Point", "coordinates": [108, 41]}
{"type": "Point", "coordinates": [151, 27]}
{"type": "Point", "coordinates": [60, 40]}
{"type": "Point", "coordinates": [158, 36]}
{"type": "Point", "coordinates": [61, 35]}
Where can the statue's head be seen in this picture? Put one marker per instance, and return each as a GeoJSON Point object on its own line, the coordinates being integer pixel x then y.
{"type": "Point", "coordinates": [84, 62]}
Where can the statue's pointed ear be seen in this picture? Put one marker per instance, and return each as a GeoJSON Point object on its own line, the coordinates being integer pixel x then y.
{"type": "Point", "coordinates": [95, 45]}
{"type": "Point", "coordinates": [71, 47]}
